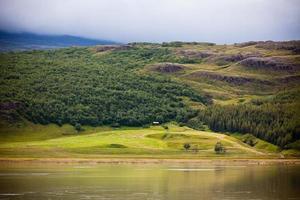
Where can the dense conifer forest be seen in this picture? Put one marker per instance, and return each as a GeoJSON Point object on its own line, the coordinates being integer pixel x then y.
{"type": "Point", "coordinates": [275, 120]}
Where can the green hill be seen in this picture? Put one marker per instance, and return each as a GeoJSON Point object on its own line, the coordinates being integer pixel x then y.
{"type": "Point", "coordinates": [248, 88]}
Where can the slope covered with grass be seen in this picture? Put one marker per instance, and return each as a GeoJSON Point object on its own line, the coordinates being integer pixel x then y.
{"type": "Point", "coordinates": [122, 142]}
{"type": "Point", "coordinates": [254, 87]}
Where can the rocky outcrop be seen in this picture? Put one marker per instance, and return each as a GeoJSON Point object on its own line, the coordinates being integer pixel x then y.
{"type": "Point", "coordinates": [224, 59]}
{"type": "Point", "coordinates": [167, 68]}
{"type": "Point", "coordinates": [215, 57]}
{"type": "Point", "coordinates": [293, 46]}
{"type": "Point", "coordinates": [269, 63]}
{"type": "Point", "coordinates": [234, 57]}
{"type": "Point", "coordinates": [235, 80]}
{"type": "Point", "coordinates": [295, 79]}
{"type": "Point", "coordinates": [195, 54]}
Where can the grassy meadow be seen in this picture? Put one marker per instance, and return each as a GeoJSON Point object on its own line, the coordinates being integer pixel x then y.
{"type": "Point", "coordinates": [52, 141]}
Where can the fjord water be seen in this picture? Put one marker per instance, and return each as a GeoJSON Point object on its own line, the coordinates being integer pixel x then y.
{"type": "Point", "coordinates": [150, 182]}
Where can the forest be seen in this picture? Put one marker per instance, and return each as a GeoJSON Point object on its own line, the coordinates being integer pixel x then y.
{"type": "Point", "coordinates": [75, 86]}
{"type": "Point", "coordinates": [275, 120]}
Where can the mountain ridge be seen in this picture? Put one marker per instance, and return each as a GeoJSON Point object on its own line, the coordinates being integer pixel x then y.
{"type": "Point", "coordinates": [31, 41]}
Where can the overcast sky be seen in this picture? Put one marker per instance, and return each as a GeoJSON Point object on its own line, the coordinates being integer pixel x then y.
{"type": "Point", "coordinates": [220, 21]}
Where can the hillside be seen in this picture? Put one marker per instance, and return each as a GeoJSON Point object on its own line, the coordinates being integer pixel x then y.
{"type": "Point", "coordinates": [249, 88]}
{"type": "Point", "coordinates": [30, 41]}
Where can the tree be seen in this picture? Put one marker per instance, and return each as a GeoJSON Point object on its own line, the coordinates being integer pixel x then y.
{"type": "Point", "coordinates": [186, 146]}
{"type": "Point", "coordinates": [249, 139]}
{"type": "Point", "coordinates": [219, 148]}
{"type": "Point", "coordinates": [78, 127]}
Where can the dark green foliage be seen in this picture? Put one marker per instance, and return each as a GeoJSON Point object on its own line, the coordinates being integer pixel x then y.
{"type": "Point", "coordinates": [196, 124]}
{"type": "Point", "coordinates": [75, 85]}
{"type": "Point", "coordinates": [78, 127]}
{"type": "Point", "coordinates": [249, 139]}
{"type": "Point", "coordinates": [59, 122]}
{"type": "Point", "coordinates": [186, 146]}
{"type": "Point", "coordinates": [165, 127]}
{"type": "Point", "coordinates": [219, 148]}
{"type": "Point", "coordinates": [276, 120]}
{"type": "Point", "coordinates": [115, 125]}
{"type": "Point", "coordinates": [294, 145]}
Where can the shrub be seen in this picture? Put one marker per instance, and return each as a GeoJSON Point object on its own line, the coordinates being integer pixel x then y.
{"type": "Point", "coordinates": [219, 148]}
{"type": "Point", "coordinates": [249, 139]}
{"type": "Point", "coordinates": [186, 146]}
{"type": "Point", "coordinates": [165, 127]}
{"type": "Point", "coordinates": [78, 127]}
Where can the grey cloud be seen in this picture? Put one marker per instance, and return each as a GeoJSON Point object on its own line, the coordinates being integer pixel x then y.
{"type": "Point", "coordinates": [221, 21]}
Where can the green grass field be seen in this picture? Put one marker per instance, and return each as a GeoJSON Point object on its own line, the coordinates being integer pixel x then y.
{"type": "Point", "coordinates": [52, 141]}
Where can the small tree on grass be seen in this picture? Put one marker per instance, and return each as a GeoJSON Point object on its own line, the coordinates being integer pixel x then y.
{"type": "Point", "coordinates": [78, 127]}
{"type": "Point", "coordinates": [186, 146]}
{"type": "Point", "coordinates": [219, 148]}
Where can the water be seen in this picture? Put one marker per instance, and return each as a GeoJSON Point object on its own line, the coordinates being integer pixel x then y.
{"type": "Point", "coordinates": [149, 182]}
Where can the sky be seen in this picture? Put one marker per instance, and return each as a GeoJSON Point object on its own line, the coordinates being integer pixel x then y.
{"type": "Point", "coordinates": [219, 21]}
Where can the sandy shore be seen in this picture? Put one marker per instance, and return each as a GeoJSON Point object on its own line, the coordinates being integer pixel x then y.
{"type": "Point", "coordinates": [150, 161]}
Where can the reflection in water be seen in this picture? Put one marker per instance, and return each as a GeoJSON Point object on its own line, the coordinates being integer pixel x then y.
{"type": "Point", "coordinates": [152, 182]}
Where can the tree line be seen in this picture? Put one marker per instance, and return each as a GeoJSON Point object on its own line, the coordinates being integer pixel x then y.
{"type": "Point", "coordinates": [276, 120]}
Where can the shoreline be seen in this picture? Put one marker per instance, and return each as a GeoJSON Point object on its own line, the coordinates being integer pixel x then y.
{"type": "Point", "coordinates": [230, 161]}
